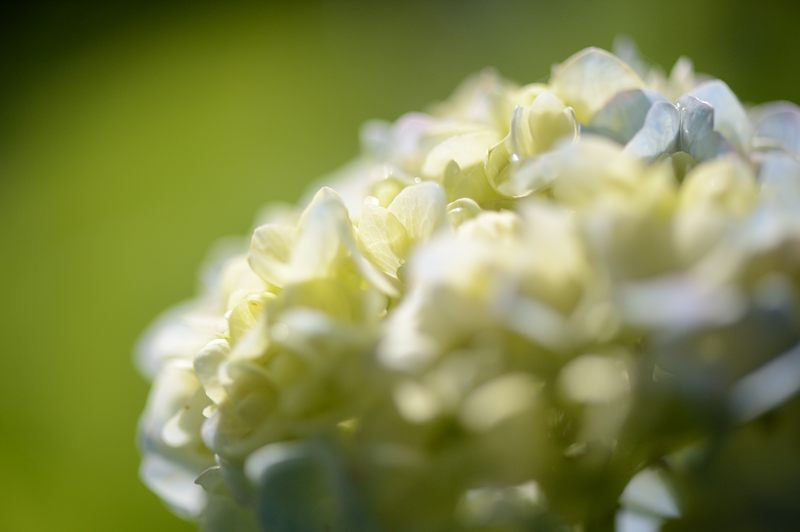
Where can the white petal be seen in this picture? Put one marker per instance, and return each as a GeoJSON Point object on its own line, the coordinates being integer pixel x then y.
{"type": "Point", "coordinates": [174, 484]}
{"type": "Point", "coordinates": [177, 334]}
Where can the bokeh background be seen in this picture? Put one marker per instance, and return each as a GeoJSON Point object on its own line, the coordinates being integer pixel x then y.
{"type": "Point", "coordinates": [132, 137]}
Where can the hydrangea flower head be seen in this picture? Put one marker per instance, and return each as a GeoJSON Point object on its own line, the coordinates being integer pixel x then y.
{"type": "Point", "coordinates": [552, 306]}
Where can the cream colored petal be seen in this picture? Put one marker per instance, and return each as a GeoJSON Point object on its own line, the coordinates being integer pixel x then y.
{"type": "Point", "coordinates": [415, 402]}
{"type": "Point", "coordinates": [383, 237]}
{"type": "Point", "coordinates": [580, 172]}
{"type": "Point", "coordinates": [321, 232]}
{"type": "Point", "coordinates": [727, 183]}
{"type": "Point", "coordinates": [270, 250]}
{"type": "Point", "coordinates": [549, 121]}
{"type": "Point", "coordinates": [244, 315]}
{"type": "Point", "coordinates": [465, 150]}
{"type": "Point", "coordinates": [177, 334]}
{"type": "Point", "coordinates": [462, 210]}
{"type": "Point", "coordinates": [421, 208]}
{"type": "Point", "coordinates": [169, 436]}
{"type": "Point", "coordinates": [238, 278]}
{"type": "Point", "coordinates": [594, 378]}
{"type": "Point", "coordinates": [498, 400]}
{"type": "Point", "coordinates": [207, 365]}
{"type": "Point", "coordinates": [251, 396]}
{"type": "Point", "coordinates": [589, 79]}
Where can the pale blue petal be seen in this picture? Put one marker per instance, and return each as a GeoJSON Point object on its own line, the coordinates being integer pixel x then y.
{"type": "Point", "coordinates": [730, 118]}
{"type": "Point", "coordinates": [624, 114]}
{"type": "Point", "coordinates": [779, 176]}
{"type": "Point", "coordinates": [697, 136]}
{"type": "Point", "coordinates": [301, 487]}
{"type": "Point", "coordinates": [779, 127]}
{"type": "Point", "coordinates": [658, 135]}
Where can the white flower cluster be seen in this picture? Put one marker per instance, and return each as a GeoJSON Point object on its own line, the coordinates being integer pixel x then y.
{"type": "Point", "coordinates": [526, 309]}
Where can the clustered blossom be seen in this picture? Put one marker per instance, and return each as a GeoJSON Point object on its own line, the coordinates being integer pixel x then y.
{"type": "Point", "coordinates": [554, 306]}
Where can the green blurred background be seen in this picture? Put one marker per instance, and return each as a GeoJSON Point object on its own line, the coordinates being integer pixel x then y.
{"type": "Point", "coordinates": [133, 137]}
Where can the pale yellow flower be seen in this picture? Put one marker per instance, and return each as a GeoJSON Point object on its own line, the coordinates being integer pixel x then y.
{"type": "Point", "coordinates": [497, 317]}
